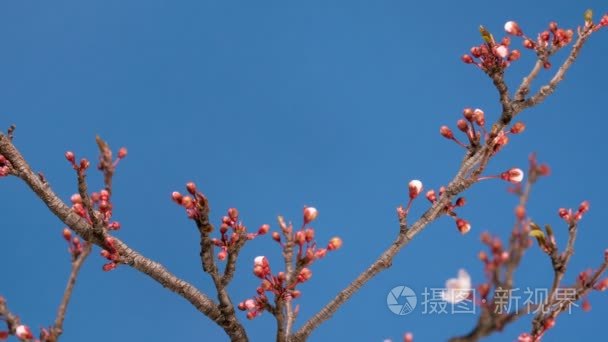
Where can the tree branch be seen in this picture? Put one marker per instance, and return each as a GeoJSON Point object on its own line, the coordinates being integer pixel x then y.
{"type": "Point", "coordinates": [128, 256]}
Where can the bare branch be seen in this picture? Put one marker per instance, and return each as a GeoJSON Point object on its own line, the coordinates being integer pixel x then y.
{"type": "Point", "coordinates": [57, 328]}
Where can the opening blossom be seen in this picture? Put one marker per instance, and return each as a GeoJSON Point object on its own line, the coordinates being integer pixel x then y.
{"type": "Point", "coordinates": [23, 332]}
{"type": "Point", "coordinates": [457, 289]}
{"type": "Point", "coordinates": [513, 175]}
{"type": "Point", "coordinates": [415, 187]}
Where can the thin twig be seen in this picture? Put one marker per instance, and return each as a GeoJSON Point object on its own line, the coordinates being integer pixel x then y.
{"type": "Point", "coordinates": [57, 328]}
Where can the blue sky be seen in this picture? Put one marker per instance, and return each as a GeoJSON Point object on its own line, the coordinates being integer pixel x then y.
{"type": "Point", "coordinates": [269, 107]}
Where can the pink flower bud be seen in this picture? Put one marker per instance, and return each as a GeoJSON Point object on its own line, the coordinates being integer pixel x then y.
{"type": "Point", "coordinates": [467, 59]}
{"type": "Point", "coordinates": [309, 234]}
{"type": "Point", "coordinates": [260, 261]}
{"type": "Point", "coordinates": [544, 36]}
{"type": "Point", "coordinates": [553, 26]}
{"type": "Point", "coordinates": [501, 51]}
{"type": "Point", "coordinates": [446, 132]}
{"type": "Point", "coordinates": [512, 28]}
{"type": "Point", "coordinates": [479, 117]}
{"type": "Point", "coordinates": [430, 195]}
{"type": "Point", "coordinates": [222, 255]}
{"type": "Point", "coordinates": [23, 332]}
{"type": "Point", "coordinates": [517, 128]}
{"type": "Point", "coordinates": [177, 197]}
{"type": "Point", "coordinates": [529, 44]}
{"type": "Point", "coordinates": [67, 234]}
{"type": "Point", "coordinates": [515, 55]}
{"type": "Point", "coordinates": [95, 197]}
{"type": "Point", "coordinates": [513, 175]}
{"type": "Point", "coordinates": [460, 202]}
{"type": "Point", "coordinates": [187, 202]}
{"type": "Point", "coordinates": [233, 213]}
{"type": "Point", "coordinates": [263, 229]}
{"type": "Point", "coordinates": [276, 236]}
{"type": "Point", "coordinates": [520, 212]}
{"type": "Point", "coordinates": [76, 198]}
{"type": "Point", "coordinates": [476, 51]}
{"type": "Point", "coordinates": [310, 214]}
{"type": "Point", "coordinates": [84, 163]}
{"type": "Point", "coordinates": [259, 271]}
{"type": "Point", "coordinates": [468, 114]}
{"type": "Point", "coordinates": [586, 306]}
{"type": "Point", "coordinates": [525, 337]}
{"type": "Point", "coordinates": [401, 213]}
{"type": "Point", "coordinates": [415, 187]}
{"type": "Point", "coordinates": [462, 125]}
{"type": "Point", "coordinates": [191, 187]}
{"type": "Point", "coordinates": [334, 244]}
{"type": "Point", "coordinates": [584, 207]}
{"type": "Point", "coordinates": [104, 195]}
{"type": "Point", "coordinates": [122, 152]}
{"type": "Point", "coordinates": [250, 304]}
{"type": "Point", "coordinates": [106, 254]}
{"type": "Point", "coordinates": [109, 266]}
{"type": "Point", "coordinates": [408, 337]}
{"type": "Point", "coordinates": [304, 275]}
{"type": "Point", "coordinates": [300, 238]}
{"type": "Point", "coordinates": [69, 155]}
{"type": "Point", "coordinates": [544, 170]}
{"type": "Point", "coordinates": [463, 226]}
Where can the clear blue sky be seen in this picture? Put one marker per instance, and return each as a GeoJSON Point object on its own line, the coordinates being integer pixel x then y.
{"type": "Point", "coordinates": [272, 106]}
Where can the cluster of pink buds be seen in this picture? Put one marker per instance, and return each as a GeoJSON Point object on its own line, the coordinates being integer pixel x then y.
{"type": "Point", "coordinates": [191, 202]}
{"type": "Point", "coordinates": [4, 166]}
{"type": "Point", "coordinates": [463, 225]}
{"type": "Point", "coordinates": [81, 166]}
{"type": "Point", "coordinates": [584, 279]}
{"type": "Point", "coordinates": [538, 169]}
{"type": "Point", "coordinates": [101, 203]}
{"type": "Point", "coordinates": [74, 245]}
{"type": "Point", "coordinates": [277, 285]}
{"type": "Point", "coordinates": [307, 253]}
{"type": "Point", "coordinates": [472, 118]}
{"type": "Point", "coordinates": [228, 239]}
{"type": "Point", "coordinates": [496, 255]}
{"type": "Point", "coordinates": [304, 239]}
{"type": "Point", "coordinates": [492, 56]}
{"type": "Point", "coordinates": [105, 164]}
{"type": "Point", "coordinates": [110, 253]}
{"type": "Point", "coordinates": [570, 216]}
